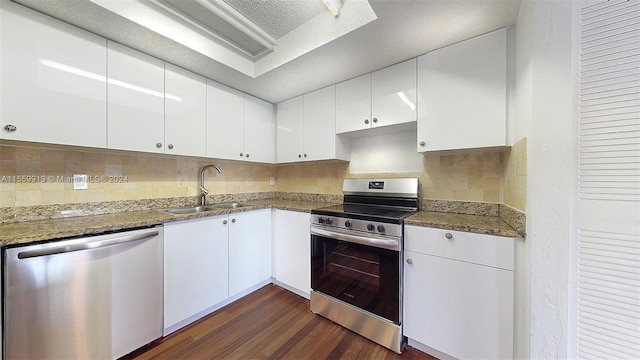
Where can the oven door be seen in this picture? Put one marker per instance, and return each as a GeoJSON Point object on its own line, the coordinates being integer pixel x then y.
{"type": "Point", "coordinates": [364, 276]}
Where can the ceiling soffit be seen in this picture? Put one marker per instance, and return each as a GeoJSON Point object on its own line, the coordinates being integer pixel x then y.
{"type": "Point", "coordinates": [238, 34]}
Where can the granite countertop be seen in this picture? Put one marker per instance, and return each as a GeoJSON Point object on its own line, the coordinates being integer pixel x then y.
{"type": "Point", "coordinates": [489, 225]}
{"type": "Point", "coordinates": [53, 229]}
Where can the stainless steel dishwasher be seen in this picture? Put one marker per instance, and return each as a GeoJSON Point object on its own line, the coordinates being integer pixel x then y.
{"type": "Point", "coordinates": [97, 297]}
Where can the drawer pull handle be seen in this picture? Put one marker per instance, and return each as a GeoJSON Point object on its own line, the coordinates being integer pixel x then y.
{"type": "Point", "coordinates": [449, 236]}
{"type": "Point", "coordinates": [409, 261]}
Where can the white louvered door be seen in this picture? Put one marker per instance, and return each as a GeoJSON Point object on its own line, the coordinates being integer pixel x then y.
{"type": "Point", "coordinates": [608, 206]}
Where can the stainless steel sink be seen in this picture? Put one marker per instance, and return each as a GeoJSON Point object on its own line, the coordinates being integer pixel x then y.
{"type": "Point", "coordinates": [233, 205]}
{"type": "Point", "coordinates": [189, 210]}
{"type": "Point", "coordinates": [202, 208]}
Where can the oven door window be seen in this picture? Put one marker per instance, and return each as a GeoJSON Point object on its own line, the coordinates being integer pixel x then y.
{"type": "Point", "coordinates": [364, 276]}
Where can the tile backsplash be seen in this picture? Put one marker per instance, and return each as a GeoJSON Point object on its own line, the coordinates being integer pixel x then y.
{"type": "Point", "coordinates": [486, 177]}
{"type": "Point", "coordinates": [515, 176]}
{"type": "Point", "coordinates": [116, 176]}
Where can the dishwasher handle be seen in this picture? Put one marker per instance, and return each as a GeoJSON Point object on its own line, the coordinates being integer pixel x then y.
{"type": "Point", "coordinates": [88, 245]}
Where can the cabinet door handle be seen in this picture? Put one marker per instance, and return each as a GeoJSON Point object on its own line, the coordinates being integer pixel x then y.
{"type": "Point", "coordinates": [247, 155]}
{"type": "Point", "coordinates": [233, 220]}
{"type": "Point", "coordinates": [305, 155]}
{"type": "Point", "coordinates": [375, 120]}
{"type": "Point", "coordinates": [409, 261]}
{"type": "Point", "coordinates": [299, 155]}
{"type": "Point", "coordinates": [422, 143]}
{"type": "Point", "coordinates": [170, 146]}
{"type": "Point", "coordinates": [241, 154]}
{"type": "Point", "coordinates": [224, 222]}
{"type": "Point", "coordinates": [449, 236]}
{"type": "Point", "coordinates": [158, 145]}
{"type": "Point", "coordinates": [10, 128]}
{"type": "Point", "coordinates": [366, 121]}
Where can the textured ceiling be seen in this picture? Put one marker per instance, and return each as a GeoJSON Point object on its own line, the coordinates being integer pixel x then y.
{"type": "Point", "coordinates": [278, 17]}
{"type": "Point", "coordinates": [404, 29]}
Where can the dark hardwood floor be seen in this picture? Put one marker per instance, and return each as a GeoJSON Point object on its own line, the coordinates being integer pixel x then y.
{"type": "Point", "coordinates": [271, 323]}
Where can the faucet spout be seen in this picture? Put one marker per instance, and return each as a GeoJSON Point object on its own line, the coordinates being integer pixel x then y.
{"type": "Point", "coordinates": [203, 191]}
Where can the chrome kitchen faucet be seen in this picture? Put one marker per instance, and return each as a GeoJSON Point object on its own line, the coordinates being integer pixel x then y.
{"type": "Point", "coordinates": [203, 191]}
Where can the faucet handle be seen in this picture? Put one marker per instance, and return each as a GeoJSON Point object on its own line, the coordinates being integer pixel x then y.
{"type": "Point", "coordinates": [204, 191]}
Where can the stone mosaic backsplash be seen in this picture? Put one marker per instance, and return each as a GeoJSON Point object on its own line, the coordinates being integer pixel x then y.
{"type": "Point", "coordinates": [477, 183]}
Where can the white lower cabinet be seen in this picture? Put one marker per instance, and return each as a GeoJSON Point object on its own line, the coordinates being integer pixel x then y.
{"type": "Point", "coordinates": [458, 293]}
{"type": "Point", "coordinates": [249, 249]}
{"type": "Point", "coordinates": [195, 267]}
{"type": "Point", "coordinates": [209, 260]}
{"type": "Point", "coordinates": [292, 250]}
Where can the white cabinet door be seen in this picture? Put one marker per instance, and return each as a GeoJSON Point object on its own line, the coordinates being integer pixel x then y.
{"type": "Point", "coordinates": [289, 136]}
{"type": "Point", "coordinates": [458, 292]}
{"type": "Point", "coordinates": [185, 107]}
{"type": "Point", "coordinates": [353, 104]}
{"type": "Point", "coordinates": [135, 100]}
{"type": "Point", "coordinates": [225, 121]}
{"type": "Point", "coordinates": [195, 267]}
{"type": "Point", "coordinates": [393, 94]}
{"type": "Point", "coordinates": [291, 249]}
{"type": "Point", "coordinates": [249, 249]}
{"type": "Point", "coordinates": [462, 95]}
{"type": "Point", "coordinates": [52, 80]}
{"type": "Point", "coordinates": [259, 130]}
{"type": "Point", "coordinates": [320, 139]}
{"type": "Point", "coordinates": [463, 310]}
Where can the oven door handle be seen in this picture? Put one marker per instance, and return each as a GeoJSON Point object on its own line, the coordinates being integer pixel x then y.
{"type": "Point", "coordinates": [362, 240]}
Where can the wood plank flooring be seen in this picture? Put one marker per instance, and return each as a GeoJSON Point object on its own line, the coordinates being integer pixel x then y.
{"type": "Point", "coordinates": [270, 323]}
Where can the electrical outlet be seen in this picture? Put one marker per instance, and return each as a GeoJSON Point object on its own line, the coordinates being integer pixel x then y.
{"type": "Point", "coordinates": [272, 180]}
{"type": "Point", "coordinates": [80, 182]}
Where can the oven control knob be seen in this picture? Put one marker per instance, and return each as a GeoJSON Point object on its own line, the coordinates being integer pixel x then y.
{"type": "Point", "coordinates": [320, 220]}
{"type": "Point", "coordinates": [348, 224]}
{"type": "Point", "coordinates": [371, 227]}
{"type": "Point", "coordinates": [329, 221]}
{"type": "Point", "coordinates": [381, 228]}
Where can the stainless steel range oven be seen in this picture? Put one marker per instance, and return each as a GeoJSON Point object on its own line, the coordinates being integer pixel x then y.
{"type": "Point", "coordinates": [356, 258]}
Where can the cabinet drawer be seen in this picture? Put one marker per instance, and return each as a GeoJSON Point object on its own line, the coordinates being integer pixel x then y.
{"type": "Point", "coordinates": [490, 250]}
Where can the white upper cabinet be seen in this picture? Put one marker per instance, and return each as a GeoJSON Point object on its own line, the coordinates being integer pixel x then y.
{"type": "Point", "coordinates": [320, 139]}
{"type": "Point", "coordinates": [259, 130]}
{"type": "Point", "coordinates": [290, 130]}
{"type": "Point", "coordinates": [52, 80]}
{"type": "Point", "coordinates": [225, 121]}
{"type": "Point", "coordinates": [135, 100]}
{"type": "Point", "coordinates": [382, 98]}
{"type": "Point", "coordinates": [185, 108]}
{"type": "Point", "coordinates": [462, 95]}
{"type": "Point", "coordinates": [393, 94]}
{"type": "Point", "coordinates": [306, 128]}
{"type": "Point", "coordinates": [353, 104]}
{"type": "Point", "coordinates": [239, 126]}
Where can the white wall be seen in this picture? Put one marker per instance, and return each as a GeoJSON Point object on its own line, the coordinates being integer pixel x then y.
{"type": "Point", "coordinates": [386, 153]}
{"type": "Point", "coordinates": [543, 113]}
{"type": "Point", "coordinates": [519, 40]}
